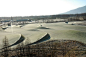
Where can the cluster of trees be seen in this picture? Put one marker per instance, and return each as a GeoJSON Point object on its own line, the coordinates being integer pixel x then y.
{"type": "Point", "coordinates": [59, 16]}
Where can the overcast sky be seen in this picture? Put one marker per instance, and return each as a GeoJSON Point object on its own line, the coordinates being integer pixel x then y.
{"type": "Point", "coordinates": [37, 7]}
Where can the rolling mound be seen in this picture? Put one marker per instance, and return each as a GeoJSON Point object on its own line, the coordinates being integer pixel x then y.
{"type": "Point", "coordinates": [59, 30]}
{"type": "Point", "coordinates": [31, 33]}
{"type": "Point", "coordinates": [12, 38]}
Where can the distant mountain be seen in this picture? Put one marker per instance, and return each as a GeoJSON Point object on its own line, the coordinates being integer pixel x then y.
{"type": "Point", "coordinates": [77, 11]}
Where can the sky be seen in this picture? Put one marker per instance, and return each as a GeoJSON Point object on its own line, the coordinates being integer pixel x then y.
{"type": "Point", "coordinates": [37, 7]}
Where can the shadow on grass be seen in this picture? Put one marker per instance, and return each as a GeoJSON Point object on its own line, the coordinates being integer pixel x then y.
{"type": "Point", "coordinates": [33, 30]}
{"type": "Point", "coordinates": [42, 28]}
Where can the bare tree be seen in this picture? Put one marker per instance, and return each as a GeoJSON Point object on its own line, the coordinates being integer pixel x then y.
{"type": "Point", "coordinates": [5, 49]}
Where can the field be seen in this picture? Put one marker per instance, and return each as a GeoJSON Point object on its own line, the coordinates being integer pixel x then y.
{"type": "Point", "coordinates": [33, 32]}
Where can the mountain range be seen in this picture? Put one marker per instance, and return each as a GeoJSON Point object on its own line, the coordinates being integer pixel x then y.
{"type": "Point", "coordinates": [77, 10]}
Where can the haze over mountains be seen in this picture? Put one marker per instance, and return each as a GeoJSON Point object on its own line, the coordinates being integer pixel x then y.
{"type": "Point", "coordinates": [77, 11]}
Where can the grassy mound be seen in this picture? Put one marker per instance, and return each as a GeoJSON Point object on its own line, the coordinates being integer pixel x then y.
{"type": "Point", "coordinates": [12, 38]}
{"type": "Point", "coordinates": [69, 34]}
